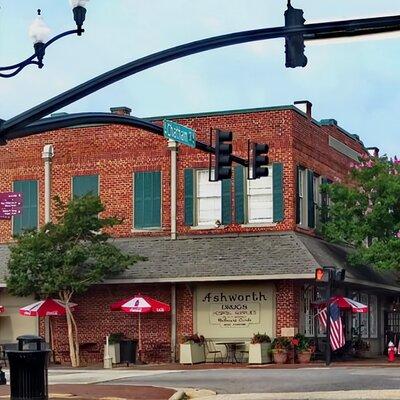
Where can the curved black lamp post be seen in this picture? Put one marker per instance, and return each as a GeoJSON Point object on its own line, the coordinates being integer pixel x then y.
{"type": "Point", "coordinates": [39, 32]}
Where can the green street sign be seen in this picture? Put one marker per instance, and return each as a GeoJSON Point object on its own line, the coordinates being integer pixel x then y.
{"type": "Point", "coordinates": [179, 133]}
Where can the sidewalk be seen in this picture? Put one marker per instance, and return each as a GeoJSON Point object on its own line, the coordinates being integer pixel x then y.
{"type": "Point", "coordinates": [336, 395]}
{"type": "Point", "coordinates": [95, 392]}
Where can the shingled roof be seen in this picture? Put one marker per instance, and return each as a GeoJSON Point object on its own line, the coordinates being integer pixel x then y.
{"type": "Point", "coordinates": [286, 255]}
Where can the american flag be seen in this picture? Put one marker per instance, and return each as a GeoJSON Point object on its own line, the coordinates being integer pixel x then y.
{"type": "Point", "coordinates": [337, 335]}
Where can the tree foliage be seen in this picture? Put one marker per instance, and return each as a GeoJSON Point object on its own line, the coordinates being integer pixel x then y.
{"type": "Point", "coordinates": [66, 257]}
{"type": "Point", "coordinates": [364, 211]}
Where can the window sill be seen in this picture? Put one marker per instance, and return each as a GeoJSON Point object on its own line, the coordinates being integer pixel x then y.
{"type": "Point", "coordinates": [206, 227]}
{"type": "Point", "coordinates": [146, 230]}
{"type": "Point", "coordinates": [259, 225]}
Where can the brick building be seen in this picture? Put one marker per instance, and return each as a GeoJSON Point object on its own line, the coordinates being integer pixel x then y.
{"type": "Point", "coordinates": [236, 245]}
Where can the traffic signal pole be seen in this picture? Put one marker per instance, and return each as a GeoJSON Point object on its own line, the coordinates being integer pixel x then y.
{"type": "Point", "coordinates": [326, 30]}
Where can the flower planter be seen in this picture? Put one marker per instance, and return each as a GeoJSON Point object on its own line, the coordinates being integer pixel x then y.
{"type": "Point", "coordinates": [192, 353]}
{"type": "Point", "coordinates": [113, 352]}
{"type": "Point", "coordinates": [304, 357]}
{"type": "Point", "coordinates": [259, 353]}
{"type": "Point", "coordinates": [280, 357]}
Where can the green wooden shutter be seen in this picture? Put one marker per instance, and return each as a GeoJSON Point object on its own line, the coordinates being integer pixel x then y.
{"type": "Point", "coordinates": [277, 189]}
{"type": "Point", "coordinates": [226, 202]}
{"type": "Point", "coordinates": [85, 184]}
{"type": "Point", "coordinates": [239, 195]}
{"type": "Point", "coordinates": [189, 197]}
{"type": "Point", "coordinates": [310, 199]}
{"type": "Point", "coordinates": [29, 216]}
{"type": "Point", "coordinates": [147, 200]}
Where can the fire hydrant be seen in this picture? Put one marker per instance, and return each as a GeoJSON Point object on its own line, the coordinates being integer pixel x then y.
{"type": "Point", "coordinates": [391, 352]}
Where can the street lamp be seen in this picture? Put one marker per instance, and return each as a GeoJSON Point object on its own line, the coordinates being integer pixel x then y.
{"type": "Point", "coordinates": [39, 32]}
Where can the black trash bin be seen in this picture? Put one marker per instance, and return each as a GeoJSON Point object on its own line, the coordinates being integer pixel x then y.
{"type": "Point", "coordinates": [28, 369]}
{"type": "Point", "coordinates": [128, 351]}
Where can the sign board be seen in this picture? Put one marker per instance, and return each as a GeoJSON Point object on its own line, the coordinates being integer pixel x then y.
{"type": "Point", "coordinates": [234, 314]}
{"type": "Point", "coordinates": [179, 133]}
{"type": "Point", "coordinates": [10, 204]}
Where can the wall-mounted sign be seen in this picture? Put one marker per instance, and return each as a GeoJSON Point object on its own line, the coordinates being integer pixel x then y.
{"type": "Point", "coordinates": [235, 310]}
{"type": "Point", "coordinates": [10, 204]}
{"type": "Point", "coordinates": [234, 314]}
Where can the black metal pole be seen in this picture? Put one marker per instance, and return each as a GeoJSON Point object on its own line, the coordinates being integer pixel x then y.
{"type": "Point", "coordinates": [328, 321]}
{"type": "Point", "coordinates": [309, 32]}
{"type": "Point", "coordinates": [65, 121]}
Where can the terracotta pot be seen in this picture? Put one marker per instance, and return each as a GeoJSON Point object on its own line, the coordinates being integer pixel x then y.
{"type": "Point", "coordinates": [304, 357]}
{"type": "Point", "coordinates": [280, 357]}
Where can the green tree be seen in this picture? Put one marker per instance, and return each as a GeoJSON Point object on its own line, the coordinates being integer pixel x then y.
{"type": "Point", "coordinates": [66, 257]}
{"type": "Point", "coordinates": [364, 212]}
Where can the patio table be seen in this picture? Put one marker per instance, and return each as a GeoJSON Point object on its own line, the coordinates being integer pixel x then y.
{"type": "Point", "coordinates": [231, 348]}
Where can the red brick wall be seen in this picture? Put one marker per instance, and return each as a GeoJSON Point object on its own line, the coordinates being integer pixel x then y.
{"type": "Point", "coordinates": [115, 152]}
{"type": "Point", "coordinates": [287, 305]}
{"type": "Point", "coordinates": [95, 320]}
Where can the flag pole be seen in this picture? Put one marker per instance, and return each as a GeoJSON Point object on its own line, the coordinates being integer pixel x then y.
{"type": "Point", "coordinates": [328, 322]}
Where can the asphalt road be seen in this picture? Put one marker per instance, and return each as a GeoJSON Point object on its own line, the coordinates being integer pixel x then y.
{"type": "Point", "coordinates": [227, 381]}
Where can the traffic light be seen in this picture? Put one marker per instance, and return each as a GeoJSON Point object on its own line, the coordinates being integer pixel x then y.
{"type": "Point", "coordinates": [330, 274]}
{"type": "Point", "coordinates": [223, 155]}
{"type": "Point", "coordinates": [259, 160]}
{"type": "Point", "coordinates": [294, 43]}
{"type": "Point", "coordinates": [322, 275]}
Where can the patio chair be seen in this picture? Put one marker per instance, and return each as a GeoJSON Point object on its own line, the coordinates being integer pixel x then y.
{"type": "Point", "coordinates": [210, 349]}
{"type": "Point", "coordinates": [243, 352]}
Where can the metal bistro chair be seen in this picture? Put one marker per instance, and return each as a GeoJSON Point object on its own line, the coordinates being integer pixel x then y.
{"type": "Point", "coordinates": [243, 352]}
{"type": "Point", "coordinates": [210, 348]}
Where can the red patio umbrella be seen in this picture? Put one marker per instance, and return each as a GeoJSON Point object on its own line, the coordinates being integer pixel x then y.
{"type": "Point", "coordinates": [140, 304]}
{"type": "Point", "coordinates": [2, 309]}
{"type": "Point", "coordinates": [344, 303]}
{"type": "Point", "coordinates": [45, 308]}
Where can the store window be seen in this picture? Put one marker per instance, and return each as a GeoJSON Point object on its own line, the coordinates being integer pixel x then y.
{"type": "Point", "coordinates": [309, 312]}
{"type": "Point", "coordinates": [373, 316]}
{"type": "Point", "coordinates": [364, 317]}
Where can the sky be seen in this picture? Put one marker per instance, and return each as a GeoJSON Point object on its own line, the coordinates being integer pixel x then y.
{"type": "Point", "coordinates": [355, 82]}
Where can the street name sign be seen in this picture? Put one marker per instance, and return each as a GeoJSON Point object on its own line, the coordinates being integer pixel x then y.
{"type": "Point", "coordinates": [179, 133]}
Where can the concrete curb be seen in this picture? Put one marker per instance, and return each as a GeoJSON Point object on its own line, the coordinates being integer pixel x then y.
{"type": "Point", "coordinates": [342, 395]}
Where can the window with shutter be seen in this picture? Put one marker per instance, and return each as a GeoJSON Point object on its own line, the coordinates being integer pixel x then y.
{"type": "Point", "coordinates": [28, 219]}
{"type": "Point", "coordinates": [85, 184]}
{"type": "Point", "coordinates": [147, 200]}
{"type": "Point", "coordinates": [208, 200]}
{"type": "Point", "coordinates": [260, 199]}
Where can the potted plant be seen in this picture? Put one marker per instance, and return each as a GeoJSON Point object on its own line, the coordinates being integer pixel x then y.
{"type": "Point", "coordinates": [280, 347]}
{"type": "Point", "coordinates": [304, 348]}
{"type": "Point", "coordinates": [114, 347]}
{"type": "Point", "coordinates": [192, 349]}
{"type": "Point", "coordinates": [259, 349]}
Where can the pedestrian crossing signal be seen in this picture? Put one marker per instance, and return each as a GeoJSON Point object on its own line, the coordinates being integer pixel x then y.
{"type": "Point", "coordinates": [321, 275]}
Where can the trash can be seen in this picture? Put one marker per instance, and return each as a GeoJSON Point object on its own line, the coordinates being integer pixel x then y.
{"type": "Point", "coordinates": [28, 369]}
{"type": "Point", "coordinates": [128, 351]}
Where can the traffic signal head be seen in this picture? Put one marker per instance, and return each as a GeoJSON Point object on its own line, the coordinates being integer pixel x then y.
{"type": "Point", "coordinates": [223, 155]}
{"type": "Point", "coordinates": [321, 275]}
{"type": "Point", "coordinates": [294, 43]}
{"type": "Point", "coordinates": [259, 160]}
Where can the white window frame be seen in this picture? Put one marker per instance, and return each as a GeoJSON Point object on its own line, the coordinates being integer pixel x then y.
{"type": "Point", "coordinates": [267, 195]}
{"type": "Point", "coordinates": [199, 200]}
{"type": "Point", "coordinates": [308, 311]}
{"type": "Point", "coordinates": [302, 185]}
{"type": "Point", "coordinates": [317, 199]}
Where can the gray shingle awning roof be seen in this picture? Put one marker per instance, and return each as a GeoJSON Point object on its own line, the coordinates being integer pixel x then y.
{"type": "Point", "coordinates": [286, 255]}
